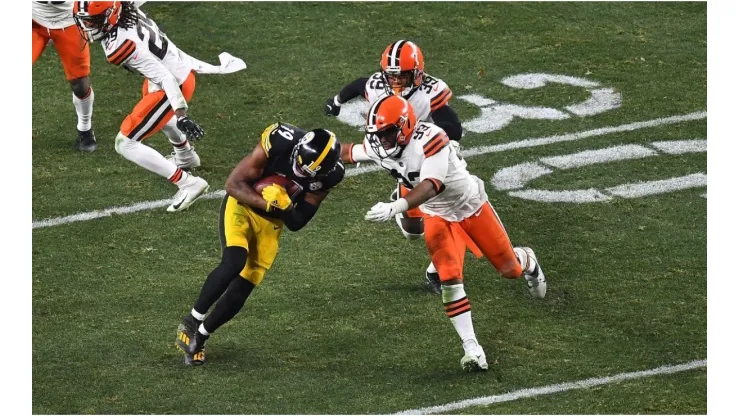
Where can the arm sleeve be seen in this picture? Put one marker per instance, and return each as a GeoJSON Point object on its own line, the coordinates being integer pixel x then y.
{"type": "Point", "coordinates": [353, 90]}
{"type": "Point", "coordinates": [151, 67]}
{"type": "Point", "coordinates": [446, 118]}
{"type": "Point", "coordinates": [358, 153]}
{"type": "Point", "coordinates": [298, 216]}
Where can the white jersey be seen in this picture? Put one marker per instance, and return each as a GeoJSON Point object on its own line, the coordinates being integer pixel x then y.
{"type": "Point", "coordinates": [145, 50]}
{"type": "Point", "coordinates": [432, 94]}
{"type": "Point", "coordinates": [53, 14]}
{"type": "Point", "coordinates": [429, 155]}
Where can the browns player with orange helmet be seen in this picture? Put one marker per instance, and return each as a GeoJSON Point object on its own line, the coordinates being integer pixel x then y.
{"type": "Point", "coordinates": [52, 21]}
{"type": "Point", "coordinates": [402, 74]}
{"type": "Point", "coordinates": [132, 40]}
{"type": "Point", "coordinates": [454, 205]}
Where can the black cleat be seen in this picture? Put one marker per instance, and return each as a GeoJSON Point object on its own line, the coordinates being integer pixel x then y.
{"type": "Point", "coordinates": [196, 354]}
{"type": "Point", "coordinates": [86, 141]}
{"type": "Point", "coordinates": [435, 285]}
{"type": "Point", "coordinates": [187, 333]}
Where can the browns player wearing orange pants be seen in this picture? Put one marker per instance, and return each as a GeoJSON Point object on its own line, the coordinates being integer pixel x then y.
{"type": "Point", "coordinates": [133, 41]}
{"type": "Point", "coordinates": [52, 21]}
{"type": "Point", "coordinates": [457, 214]}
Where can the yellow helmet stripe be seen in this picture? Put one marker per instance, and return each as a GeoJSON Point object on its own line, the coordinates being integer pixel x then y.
{"type": "Point", "coordinates": [323, 154]}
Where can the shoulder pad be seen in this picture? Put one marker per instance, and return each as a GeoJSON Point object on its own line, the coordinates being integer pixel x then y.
{"type": "Point", "coordinates": [118, 48]}
{"type": "Point", "coordinates": [437, 90]}
{"type": "Point", "coordinates": [432, 137]}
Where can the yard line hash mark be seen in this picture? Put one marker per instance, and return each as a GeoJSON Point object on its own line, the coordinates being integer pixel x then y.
{"type": "Point", "coordinates": [555, 388]}
{"type": "Point", "coordinates": [473, 151]}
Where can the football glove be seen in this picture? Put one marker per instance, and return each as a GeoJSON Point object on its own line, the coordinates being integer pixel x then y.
{"type": "Point", "coordinates": [276, 197]}
{"type": "Point", "coordinates": [191, 129]}
{"type": "Point", "coordinates": [383, 211]}
{"type": "Point", "coordinates": [331, 108]}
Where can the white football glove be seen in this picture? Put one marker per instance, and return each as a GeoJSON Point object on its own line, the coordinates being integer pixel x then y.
{"type": "Point", "coordinates": [384, 211]}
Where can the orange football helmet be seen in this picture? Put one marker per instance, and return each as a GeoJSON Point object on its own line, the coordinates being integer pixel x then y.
{"type": "Point", "coordinates": [95, 19]}
{"type": "Point", "coordinates": [389, 126]}
{"type": "Point", "coordinates": [402, 64]}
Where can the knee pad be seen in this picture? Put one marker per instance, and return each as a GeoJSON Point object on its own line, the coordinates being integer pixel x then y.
{"type": "Point", "coordinates": [254, 274]}
{"type": "Point", "coordinates": [235, 259]}
{"type": "Point", "coordinates": [121, 143]}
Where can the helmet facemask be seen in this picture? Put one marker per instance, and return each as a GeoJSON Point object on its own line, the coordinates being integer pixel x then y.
{"type": "Point", "coordinates": [96, 27]}
{"type": "Point", "coordinates": [385, 142]}
{"type": "Point", "coordinates": [401, 83]}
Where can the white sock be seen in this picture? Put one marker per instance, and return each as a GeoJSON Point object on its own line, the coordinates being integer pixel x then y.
{"type": "Point", "coordinates": [148, 158]}
{"type": "Point", "coordinates": [457, 308]}
{"type": "Point", "coordinates": [431, 268]}
{"type": "Point", "coordinates": [84, 108]}
{"type": "Point", "coordinates": [202, 330]}
{"type": "Point", "coordinates": [197, 315]}
{"type": "Point", "coordinates": [175, 136]}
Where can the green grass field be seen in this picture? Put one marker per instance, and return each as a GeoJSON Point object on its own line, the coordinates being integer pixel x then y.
{"type": "Point", "coordinates": [343, 322]}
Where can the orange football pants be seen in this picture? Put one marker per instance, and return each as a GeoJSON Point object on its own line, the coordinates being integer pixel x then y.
{"type": "Point", "coordinates": [446, 242]}
{"type": "Point", "coordinates": [73, 51]}
{"type": "Point", "coordinates": [153, 111]}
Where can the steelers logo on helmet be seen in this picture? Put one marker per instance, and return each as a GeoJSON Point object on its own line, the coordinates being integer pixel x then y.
{"type": "Point", "coordinates": [316, 154]}
{"type": "Point", "coordinates": [402, 65]}
{"type": "Point", "coordinates": [390, 123]}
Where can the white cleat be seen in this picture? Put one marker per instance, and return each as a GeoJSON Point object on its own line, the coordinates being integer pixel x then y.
{"type": "Point", "coordinates": [185, 160]}
{"type": "Point", "coordinates": [474, 360]}
{"type": "Point", "coordinates": [193, 188]}
{"type": "Point", "coordinates": [533, 274]}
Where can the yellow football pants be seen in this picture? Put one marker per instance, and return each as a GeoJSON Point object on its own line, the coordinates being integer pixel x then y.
{"type": "Point", "coordinates": [240, 226]}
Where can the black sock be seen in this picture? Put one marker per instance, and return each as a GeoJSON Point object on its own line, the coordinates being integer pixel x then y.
{"type": "Point", "coordinates": [229, 305]}
{"type": "Point", "coordinates": [233, 261]}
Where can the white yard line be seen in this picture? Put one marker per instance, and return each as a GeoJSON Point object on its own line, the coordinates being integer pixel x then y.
{"type": "Point", "coordinates": [473, 151]}
{"type": "Point", "coordinates": [555, 388]}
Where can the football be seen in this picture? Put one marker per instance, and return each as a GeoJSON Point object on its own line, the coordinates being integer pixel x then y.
{"type": "Point", "coordinates": [293, 188]}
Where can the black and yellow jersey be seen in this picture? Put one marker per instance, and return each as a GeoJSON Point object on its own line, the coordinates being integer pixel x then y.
{"type": "Point", "coordinates": [278, 141]}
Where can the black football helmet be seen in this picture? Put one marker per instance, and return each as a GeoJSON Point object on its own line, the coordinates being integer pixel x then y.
{"type": "Point", "coordinates": [315, 154]}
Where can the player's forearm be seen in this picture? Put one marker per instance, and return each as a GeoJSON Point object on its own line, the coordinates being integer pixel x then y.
{"type": "Point", "coordinates": [351, 91]}
{"type": "Point", "coordinates": [353, 153]}
{"type": "Point", "coordinates": [242, 192]}
{"type": "Point", "coordinates": [174, 95]}
{"type": "Point", "coordinates": [298, 216]}
{"type": "Point", "coordinates": [422, 193]}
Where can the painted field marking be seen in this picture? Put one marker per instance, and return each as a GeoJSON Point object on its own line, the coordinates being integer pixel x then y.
{"type": "Point", "coordinates": [555, 388]}
{"type": "Point", "coordinates": [473, 151]}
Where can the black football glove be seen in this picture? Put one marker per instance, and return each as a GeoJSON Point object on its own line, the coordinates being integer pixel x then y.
{"type": "Point", "coordinates": [331, 109]}
{"type": "Point", "coordinates": [191, 129]}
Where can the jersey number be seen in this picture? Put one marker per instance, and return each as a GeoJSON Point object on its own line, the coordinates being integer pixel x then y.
{"type": "Point", "coordinates": [157, 40]}
{"type": "Point", "coordinates": [286, 132]}
{"type": "Point", "coordinates": [413, 176]}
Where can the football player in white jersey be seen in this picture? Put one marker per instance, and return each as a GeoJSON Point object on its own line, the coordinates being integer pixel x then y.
{"type": "Point", "coordinates": [132, 40]}
{"type": "Point", "coordinates": [52, 21]}
{"type": "Point", "coordinates": [402, 73]}
{"type": "Point", "coordinates": [456, 210]}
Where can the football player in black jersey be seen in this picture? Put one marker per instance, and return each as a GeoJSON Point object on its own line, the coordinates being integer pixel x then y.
{"type": "Point", "coordinates": [251, 223]}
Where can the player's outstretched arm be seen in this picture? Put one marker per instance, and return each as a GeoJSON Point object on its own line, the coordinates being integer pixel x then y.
{"type": "Point", "coordinates": [249, 169]}
{"type": "Point", "coordinates": [298, 216]}
{"type": "Point", "coordinates": [352, 153]}
{"type": "Point", "coordinates": [349, 92]}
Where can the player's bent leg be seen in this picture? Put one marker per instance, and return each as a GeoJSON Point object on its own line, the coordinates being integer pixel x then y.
{"type": "Point", "coordinates": [191, 187]}
{"type": "Point", "coordinates": [533, 274]}
{"type": "Point", "coordinates": [39, 40]}
{"type": "Point", "coordinates": [183, 154]}
{"type": "Point", "coordinates": [489, 234]}
{"type": "Point", "coordinates": [447, 249]}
